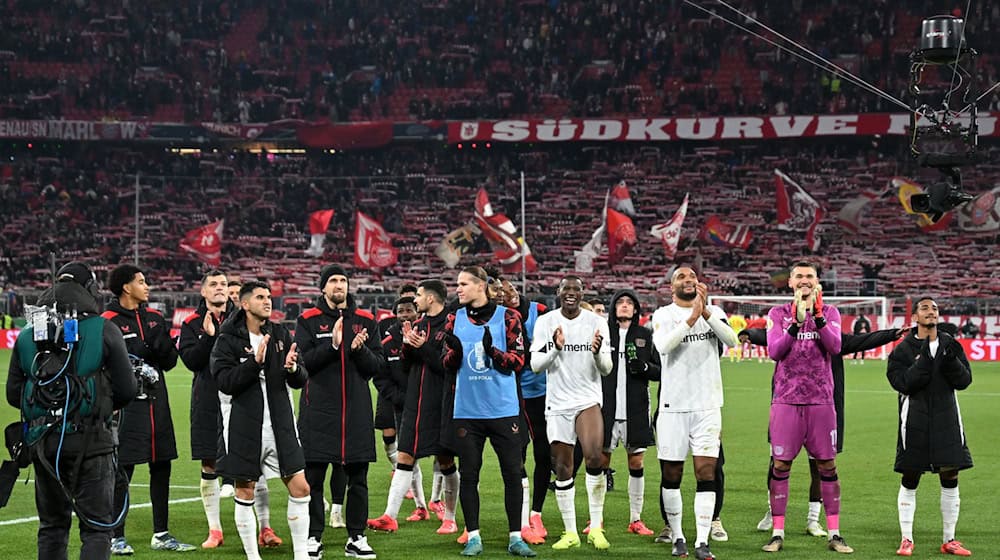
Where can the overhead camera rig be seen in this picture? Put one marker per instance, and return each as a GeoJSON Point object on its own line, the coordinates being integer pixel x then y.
{"type": "Point", "coordinates": [943, 138]}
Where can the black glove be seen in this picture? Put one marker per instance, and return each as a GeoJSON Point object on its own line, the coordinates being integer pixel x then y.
{"type": "Point", "coordinates": [637, 367]}
{"type": "Point", "coordinates": [453, 343]}
{"type": "Point", "coordinates": [487, 341]}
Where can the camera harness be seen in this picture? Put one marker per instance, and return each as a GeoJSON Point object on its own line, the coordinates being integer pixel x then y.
{"type": "Point", "coordinates": [55, 390]}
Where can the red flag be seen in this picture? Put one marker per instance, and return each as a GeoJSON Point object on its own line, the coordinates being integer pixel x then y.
{"type": "Point", "coordinates": [621, 200]}
{"type": "Point", "coordinates": [508, 248]}
{"type": "Point", "coordinates": [982, 214]}
{"type": "Point", "coordinates": [670, 232]}
{"type": "Point", "coordinates": [621, 236]}
{"type": "Point", "coordinates": [319, 221]}
{"type": "Point", "coordinates": [726, 235]}
{"type": "Point", "coordinates": [797, 210]}
{"type": "Point", "coordinates": [205, 242]}
{"type": "Point", "coordinates": [372, 244]}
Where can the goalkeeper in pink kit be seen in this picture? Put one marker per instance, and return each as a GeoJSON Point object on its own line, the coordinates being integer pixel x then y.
{"type": "Point", "coordinates": [802, 338]}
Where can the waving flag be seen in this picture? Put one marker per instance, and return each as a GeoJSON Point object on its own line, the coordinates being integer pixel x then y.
{"type": "Point", "coordinates": [670, 232]}
{"type": "Point", "coordinates": [319, 221]}
{"type": "Point", "coordinates": [982, 213]}
{"type": "Point", "coordinates": [372, 244]}
{"type": "Point", "coordinates": [797, 210]}
{"type": "Point", "coordinates": [457, 243]}
{"type": "Point", "coordinates": [621, 236]}
{"type": "Point", "coordinates": [586, 255]}
{"type": "Point", "coordinates": [906, 189]}
{"type": "Point", "coordinates": [621, 200]}
{"type": "Point", "coordinates": [722, 234]}
{"type": "Point", "coordinates": [205, 242]}
{"type": "Point", "coordinates": [508, 248]}
{"type": "Point", "coordinates": [850, 215]}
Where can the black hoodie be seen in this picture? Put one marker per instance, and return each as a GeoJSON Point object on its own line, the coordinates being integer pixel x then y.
{"type": "Point", "coordinates": [147, 429]}
{"type": "Point", "coordinates": [68, 296]}
{"type": "Point", "coordinates": [640, 430]}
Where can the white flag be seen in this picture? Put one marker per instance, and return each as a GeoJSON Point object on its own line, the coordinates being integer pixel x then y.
{"type": "Point", "coordinates": [670, 232]}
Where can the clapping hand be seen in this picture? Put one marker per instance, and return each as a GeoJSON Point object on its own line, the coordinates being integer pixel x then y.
{"type": "Point", "coordinates": [208, 325]}
{"type": "Point", "coordinates": [292, 359]}
{"type": "Point", "coordinates": [702, 290]}
{"type": "Point", "coordinates": [412, 336]}
{"type": "Point", "coordinates": [595, 344]}
{"type": "Point", "coordinates": [338, 333]}
{"type": "Point", "coordinates": [262, 349]}
{"type": "Point", "coordinates": [558, 338]}
{"type": "Point", "coordinates": [359, 339]}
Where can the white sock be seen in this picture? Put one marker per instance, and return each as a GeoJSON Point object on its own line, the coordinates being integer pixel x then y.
{"type": "Point", "coordinates": [437, 482]}
{"type": "Point", "coordinates": [813, 516]}
{"type": "Point", "coordinates": [473, 534]}
{"type": "Point", "coordinates": [417, 485]}
{"type": "Point", "coordinates": [907, 503]}
{"type": "Point", "coordinates": [597, 487]}
{"type": "Point", "coordinates": [566, 501]}
{"type": "Point", "coordinates": [298, 526]}
{"type": "Point", "coordinates": [950, 504]}
{"type": "Point", "coordinates": [262, 503]}
{"type": "Point", "coordinates": [391, 452]}
{"type": "Point", "coordinates": [704, 506]}
{"type": "Point", "coordinates": [401, 482]}
{"type": "Point", "coordinates": [246, 527]}
{"type": "Point", "coordinates": [674, 506]}
{"type": "Point", "coordinates": [210, 501]}
{"type": "Point", "coordinates": [336, 508]}
{"type": "Point", "coordinates": [636, 489]}
{"type": "Point", "coordinates": [525, 502]}
{"type": "Point", "coordinates": [449, 485]}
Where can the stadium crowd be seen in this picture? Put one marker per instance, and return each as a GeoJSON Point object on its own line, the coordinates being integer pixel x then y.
{"type": "Point", "coordinates": [254, 61]}
{"type": "Point", "coordinates": [420, 194]}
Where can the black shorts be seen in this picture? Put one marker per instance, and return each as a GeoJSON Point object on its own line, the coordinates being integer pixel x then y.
{"type": "Point", "coordinates": [385, 414]}
{"type": "Point", "coordinates": [504, 435]}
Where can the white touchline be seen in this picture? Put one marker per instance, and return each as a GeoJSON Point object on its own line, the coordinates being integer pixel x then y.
{"type": "Point", "coordinates": [133, 506]}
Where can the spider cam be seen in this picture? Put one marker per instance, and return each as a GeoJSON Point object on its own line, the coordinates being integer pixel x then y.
{"type": "Point", "coordinates": [942, 138]}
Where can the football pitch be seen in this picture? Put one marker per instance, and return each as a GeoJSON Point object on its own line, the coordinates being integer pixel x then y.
{"type": "Point", "coordinates": [869, 487]}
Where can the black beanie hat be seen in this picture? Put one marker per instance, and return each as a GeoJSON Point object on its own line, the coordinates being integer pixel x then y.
{"type": "Point", "coordinates": [77, 272]}
{"type": "Point", "coordinates": [328, 271]}
{"type": "Point", "coordinates": [80, 273]}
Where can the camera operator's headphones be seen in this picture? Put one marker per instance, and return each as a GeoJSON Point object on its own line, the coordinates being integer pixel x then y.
{"type": "Point", "coordinates": [81, 274]}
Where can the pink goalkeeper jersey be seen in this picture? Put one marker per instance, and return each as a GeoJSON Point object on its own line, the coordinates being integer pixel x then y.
{"type": "Point", "coordinates": [802, 373]}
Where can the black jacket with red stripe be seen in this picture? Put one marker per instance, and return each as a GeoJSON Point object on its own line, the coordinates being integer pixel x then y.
{"type": "Point", "coordinates": [146, 430]}
{"type": "Point", "coordinates": [392, 384]}
{"type": "Point", "coordinates": [335, 406]}
{"type": "Point", "coordinates": [426, 411]}
{"type": "Point", "coordinates": [195, 348]}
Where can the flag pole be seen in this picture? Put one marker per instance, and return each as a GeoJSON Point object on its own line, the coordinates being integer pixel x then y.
{"type": "Point", "coordinates": [135, 244]}
{"type": "Point", "coordinates": [524, 253]}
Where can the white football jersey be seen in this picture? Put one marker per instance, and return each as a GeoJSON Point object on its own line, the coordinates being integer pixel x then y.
{"type": "Point", "coordinates": [574, 373]}
{"type": "Point", "coordinates": [690, 378]}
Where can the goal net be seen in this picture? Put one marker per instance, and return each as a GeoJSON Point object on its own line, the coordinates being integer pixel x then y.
{"type": "Point", "coordinates": [873, 309]}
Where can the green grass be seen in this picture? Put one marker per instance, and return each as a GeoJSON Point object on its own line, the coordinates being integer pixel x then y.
{"type": "Point", "coordinates": [869, 521]}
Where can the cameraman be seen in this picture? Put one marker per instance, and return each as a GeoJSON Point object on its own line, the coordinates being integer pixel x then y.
{"type": "Point", "coordinates": [147, 430]}
{"type": "Point", "coordinates": [86, 456]}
